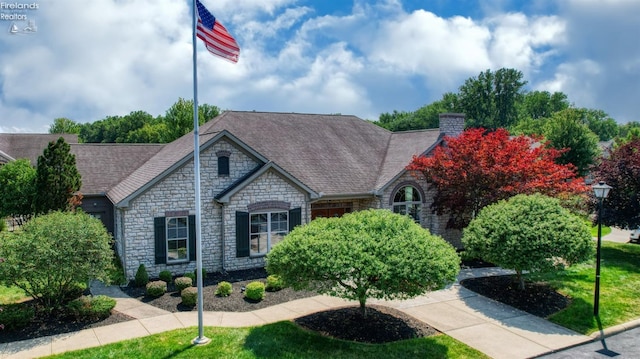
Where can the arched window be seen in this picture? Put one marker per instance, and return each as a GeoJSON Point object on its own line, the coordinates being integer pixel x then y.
{"type": "Point", "coordinates": [408, 201]}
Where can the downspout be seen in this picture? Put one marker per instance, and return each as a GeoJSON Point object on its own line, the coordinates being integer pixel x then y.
{"type": "Point", "coordinates": [222, 246]}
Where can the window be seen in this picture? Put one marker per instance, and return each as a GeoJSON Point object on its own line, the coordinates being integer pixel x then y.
{"type": "Point", "coordinates": [223, 165]}
{"type": "Point", "coordinates": [267, 229]}
{"type": "Point", "coordinates": [407, 201]}
{"type": "Point", "coordinates": [177, 239]}
{"type": "Point", "coordinates": [257, 232]}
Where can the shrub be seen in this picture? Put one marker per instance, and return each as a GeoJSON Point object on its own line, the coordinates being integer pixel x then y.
{"type": "Point", "coordinates": [274, 283]}
{"type": "Point", "coordinates": [142, 277]}
{"type": "Point", "coordinates": [190, 275]}
{"type": "Point", "coordinates": [156, 288]}
{"type": "Point", "coordinates": [16, 316]}
{"type": "Point", "coordinates": [91, 307]}
{"type": "Point", "coordinates": [204, 273]}
{"type": "Point", "coordinates": [189, 296]}
{"type": "Point", "coordinates": [255, 291]}
{"type": "Point", "coordinates": [223, 289]}
{"type": "Point", "coordinates": [182, 283]}
{"type": "Point", "coordinates": [54, 252]}
{"type": "Point", "coordinates": [3, 225]}
{"type": "Point", "coordinates": [166, 276]}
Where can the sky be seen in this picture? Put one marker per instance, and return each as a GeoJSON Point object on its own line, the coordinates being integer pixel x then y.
{"type": "Point", "coordinates": [86, 60]}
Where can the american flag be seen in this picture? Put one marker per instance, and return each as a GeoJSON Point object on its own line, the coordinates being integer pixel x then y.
{"type": "Point", "coordinates": [216, 38]}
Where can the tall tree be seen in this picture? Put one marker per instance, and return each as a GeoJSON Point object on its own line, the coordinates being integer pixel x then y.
{"type": "Point", "coordinates": [490, 100]}
{"type": "Point", "coordinates": [425, 117]}
{"type": "Point", "coordinates": [477, 168]}
{"type": "Point", "coordinates": [57, 178]}
{"type": "Point", "coordinates": [621, 170]}
{"type": "Point", "coordinates": [179, 117]}
{"type": "Point", "coordinates": [17, 189]}
{"type": "Point", "coordinates": [64, 125]}
{"type": "Point", "coordinates": [565, 130]}
{"type": "Point", "coordinates": [600, 123]}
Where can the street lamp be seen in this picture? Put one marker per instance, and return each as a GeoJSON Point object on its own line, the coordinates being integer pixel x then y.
{"type": "Point", "coordinates": [601, 191]}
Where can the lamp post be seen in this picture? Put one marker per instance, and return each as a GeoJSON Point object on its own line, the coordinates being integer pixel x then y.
{"type": "Point", "coordinates": [601, 191]}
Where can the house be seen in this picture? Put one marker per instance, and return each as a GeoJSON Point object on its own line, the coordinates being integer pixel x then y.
{"type": "Point", "coordinates": [261, 175]}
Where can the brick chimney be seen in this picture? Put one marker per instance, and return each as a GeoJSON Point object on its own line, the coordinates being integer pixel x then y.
{"type": "Point", "coordinates": [451, 124]}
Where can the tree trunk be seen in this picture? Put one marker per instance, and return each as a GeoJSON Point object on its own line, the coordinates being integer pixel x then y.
{"type": "Point", "coordinates": [520, 279]}
{"type": "Point", "coordinates": [363, 309]}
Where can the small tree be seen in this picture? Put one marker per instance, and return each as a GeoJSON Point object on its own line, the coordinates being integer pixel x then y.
{"type": "Point", "coordinates": [57, 178]}
{"type": "Point", "coordinates": [17, 189]}
{"type": "Point", "coordinates": [365, 254]}
{"type": "Point", "coordinates": [55, 253]}
{"type": "Point", "coordinates": [528, 233]}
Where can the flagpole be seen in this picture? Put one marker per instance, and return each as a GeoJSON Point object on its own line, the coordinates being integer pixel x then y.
{"type": "Point", "coordinates": [200, 339]}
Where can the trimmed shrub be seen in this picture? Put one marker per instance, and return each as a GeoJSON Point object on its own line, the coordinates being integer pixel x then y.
{"type": "Point", "coordinates": [156, 288]}
{"type": "Point", "coordinates": [255, 291]}
{"type": "Point", "coordinates": [16, 316]}
{"type": "Point", "coordinates": [182, 283]}
{"type": "Point", "coordinates": [189, 296]}
{"type": "Point", "coordinates": [274, 283]}
{"type": "Point", "coordinates": [223, 289]}
{"type": "Point", "coordinates": [91, 307]}
{"type": "Point", "coordinates": [166, 276]}
{"type": "Point", "coordinates": [142, 277]}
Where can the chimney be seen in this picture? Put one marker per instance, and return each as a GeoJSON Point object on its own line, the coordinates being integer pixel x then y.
{"type": "Point", "coordinates": [451, 124]}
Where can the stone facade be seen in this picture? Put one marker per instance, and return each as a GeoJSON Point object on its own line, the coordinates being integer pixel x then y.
{"type": "Point", "coordinates": [451, 124]}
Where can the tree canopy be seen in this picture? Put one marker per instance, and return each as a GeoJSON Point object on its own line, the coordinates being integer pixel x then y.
{"type": "Point", "coordinates": [528, 233]}
{"type": "Point", "coordinates": [479, 168]}
{"type": "Point", "coordinates": [17, 189]}
{"type": "Point", "coordinates": [365, 254]}
{"type": "Point", "coordinates": [621, 170]}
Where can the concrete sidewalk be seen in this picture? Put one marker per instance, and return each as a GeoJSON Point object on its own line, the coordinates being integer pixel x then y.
{"type": "Point", "coordinates": [493, 328]}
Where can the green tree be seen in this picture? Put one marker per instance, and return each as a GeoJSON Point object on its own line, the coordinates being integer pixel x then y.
{"type": "Point", "coordinates": [57, 178]}
{"type": "Point", "coordinates": [64, 125]}
{"type": "Point", "coordinates": [179, 117]}
{"type": "Point", "coordinates": [365, 254]}
{"type": "Point", "coordinates": [17, 189]}
{"type": "Point", "coordinates": [149, 133]}
{"type": "Point", "coordinates": [54, 254]}
{"type": "Point", "coordinates": [565, 130]}
{"type": "Point", "coordinates": [600, 123]}
{"type": "Point", "coordinates": [528, 233]}
{"type": "Point", "coordinates": [427, 116]}
{"type": "Point", "coordinates": [490, 100]}
{"type": "Point", "coordinates": [542, 104]}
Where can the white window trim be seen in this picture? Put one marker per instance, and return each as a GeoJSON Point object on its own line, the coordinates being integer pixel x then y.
{"type": "Point", "coordinates": [409, 203]}
{"type": "Point", "coordinates": [269, 231]}
{"type": "Point", "coordinates": [167, 239]}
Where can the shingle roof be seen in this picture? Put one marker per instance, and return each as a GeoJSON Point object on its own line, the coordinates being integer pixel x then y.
{"type": "Point", "coordinates": [335, 155]}
{"type": "Point", "coordinates": [103, 166]}
{"type": "Point", "coordinates": [30, 145]}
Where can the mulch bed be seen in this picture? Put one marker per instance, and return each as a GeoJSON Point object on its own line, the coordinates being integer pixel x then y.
{"type": "Point", "coordinates": [538, 299]}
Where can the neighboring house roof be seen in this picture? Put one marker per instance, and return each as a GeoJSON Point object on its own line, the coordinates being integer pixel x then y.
{"type": "Point", "coordinates": [30, 145]}
{"type": "Point", "coordinates": [328, 155]}
{"type": "Point", "coordinates": [4, 158]}
{"type": "Point", "coordinates": [103, 166]}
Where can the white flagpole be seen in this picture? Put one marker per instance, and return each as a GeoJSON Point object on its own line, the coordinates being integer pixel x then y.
{"type": "Point", "coordinates": [201, 339]}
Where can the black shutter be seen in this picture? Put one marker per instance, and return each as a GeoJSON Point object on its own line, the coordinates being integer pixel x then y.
{"type": "Point", "coordinates": [295, 218]}
{"type": "Point", "coordinates": [192, 238]}
{"type": "Point", "coordinates": [242, 234]}
{"type": "Point", "coordinates": [160, 233]}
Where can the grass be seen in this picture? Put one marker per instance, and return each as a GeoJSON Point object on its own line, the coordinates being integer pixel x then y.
{"type": "Point", "coordinates": [619, 283]}
{"type": "Point", "coordinates": [277, 340]}
{"type": "Point", "coordinates": [605, 230]}
{"type": "Point", "coordinates": [10, 295]}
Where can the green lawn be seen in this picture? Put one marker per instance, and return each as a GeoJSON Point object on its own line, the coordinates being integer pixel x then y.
{"type": "Point", "coordinates": [605, 230]}
{"type": "Point", "coordinates": [278, 340]}
{"type": "Point", "coordinates": [619, 289]}
{"type": "Point", "coordinates": [10, 294]}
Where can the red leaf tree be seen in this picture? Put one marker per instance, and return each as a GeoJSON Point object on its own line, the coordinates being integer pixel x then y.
{"type": "Point", "coordinates": [479, 168]}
